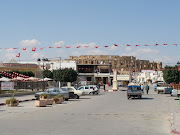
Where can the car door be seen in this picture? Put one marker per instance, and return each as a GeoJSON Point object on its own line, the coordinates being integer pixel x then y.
{"type": "Point", "coordinates": [86, 89]}
{"type": "Point", "coordinates": [55, 92]}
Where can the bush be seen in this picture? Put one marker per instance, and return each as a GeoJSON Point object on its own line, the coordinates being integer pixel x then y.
{"type": "Point", "coordinates": [59, 96]}
{"type": "Point", "coordinates": [11, 101]}
{"type": "Point", "coordinates": [56, 99]}
{"type": "Point", "coordinates": [45, 96]}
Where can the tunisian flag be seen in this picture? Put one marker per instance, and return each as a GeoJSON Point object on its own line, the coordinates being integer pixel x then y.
{"type": "Point", "coordinates": [24, 48]}
{"type": "Point", "coordinates": [96, 46]}
{"type": "Point", "coordinates": [137, 45]}
{"type": "Point", "coordinates": [128, 45]}
{"type": "Point", "coordinates": [115, 45]}
{"type": "Point", "coordinates": [18, 55]}
{"type": "Point", "coordinates": [164, 44]}
{"type": "Point", "coordinates": [106, 46]}
{"type": "Point", "coordinates": [34, 49]}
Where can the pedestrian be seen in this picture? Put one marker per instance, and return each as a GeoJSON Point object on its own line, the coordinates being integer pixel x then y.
{"type": "Point", "coordinates": [99, 84]}
{"type": "Point", "coordinates": [147, 88]}
{"type": "Point", "coordinates": [104, 87]}
{"type": "Point", "coordinates": [142, 88]}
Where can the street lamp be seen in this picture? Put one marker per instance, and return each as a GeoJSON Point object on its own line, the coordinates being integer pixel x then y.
{"type": "Point", "coordinates": [43, 60]}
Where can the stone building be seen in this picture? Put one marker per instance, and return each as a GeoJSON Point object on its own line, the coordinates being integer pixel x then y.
{"type": "Point", "coordinates": [98, 68]}
{"type": "Point", "coordinates": [121, 63]}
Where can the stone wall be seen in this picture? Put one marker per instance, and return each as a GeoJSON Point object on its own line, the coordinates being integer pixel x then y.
{"type": "Point", "coordinates": [121, 63]}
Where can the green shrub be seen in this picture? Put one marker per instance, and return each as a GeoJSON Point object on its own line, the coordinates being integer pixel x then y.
{"type": "Point", "coordinates": [56, 99]}
{"type": "Point", "coordinates": [59, 96]}
{"type": "Point", "coordinates": [45, 96]}
{"type": "Point", "coordinates": [11, 101]}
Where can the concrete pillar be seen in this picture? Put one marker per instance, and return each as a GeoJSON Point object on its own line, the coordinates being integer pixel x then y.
{"type": "Point", "coordinates": [114, 80]}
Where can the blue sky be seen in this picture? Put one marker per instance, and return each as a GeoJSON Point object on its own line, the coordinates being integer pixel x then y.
{"type": "Point", "coordinates": [44, 23]}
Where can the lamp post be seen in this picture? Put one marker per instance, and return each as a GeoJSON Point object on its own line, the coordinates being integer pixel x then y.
{"type": "Point", "coordinates": [43, 60]}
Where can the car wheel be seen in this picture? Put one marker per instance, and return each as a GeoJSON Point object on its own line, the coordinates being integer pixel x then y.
{"type": "Point", "coordinates": [66, 99]}
{"type": "Point", "coordinates": [77, 97]}
{"type": "Point", "coordinates": [91, 93]}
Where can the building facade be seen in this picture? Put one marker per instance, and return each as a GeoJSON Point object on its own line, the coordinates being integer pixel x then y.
{"type": "Point", "coordinates": [98, 68]}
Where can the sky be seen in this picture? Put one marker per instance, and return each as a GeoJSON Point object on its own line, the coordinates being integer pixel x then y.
{"type": "Point", "coordinates": [45, 23]}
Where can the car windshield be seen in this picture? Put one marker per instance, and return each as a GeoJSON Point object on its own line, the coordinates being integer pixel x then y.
{"type": "Point", "coordinates": [49, 90]}
{"type": "Point", "coordinates": [80, 88]}
{"type": "Point", "coordinates": [64, 89]}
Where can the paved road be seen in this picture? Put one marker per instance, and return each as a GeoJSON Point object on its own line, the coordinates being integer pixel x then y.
{"type": "Point", "coordinates": [107, 113]}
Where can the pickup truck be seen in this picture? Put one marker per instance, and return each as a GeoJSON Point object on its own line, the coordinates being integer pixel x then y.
{"type": "Point", "coordinates": [161, 88]}
{"type": "Point", "coordinates": [134, 91]}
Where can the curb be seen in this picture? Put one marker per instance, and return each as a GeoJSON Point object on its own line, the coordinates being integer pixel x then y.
{"type": "Point", "coordinates": [110, 90]}
{"type": "Point", "coordinates": [1, 104]}
{"type": "Point", "coordinates": [173, 127]}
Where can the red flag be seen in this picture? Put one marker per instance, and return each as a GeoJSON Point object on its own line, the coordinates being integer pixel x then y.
{"type": "Point", "coordinates": [128, 45]}
{"type": "Point", "coordinates": [86, 46]}
{"type": "Point", "coordinates": [78, 46]}
{"type": "Point", "coordinates": [156, 44]}
{"type": "Point", "coordinates": [34, 49]}
{"type": "Point", "coordinates": [68, 47]}
{"type": "Point", "coordinates": [18, 55]}
{"type": "Point", "coordinates": [106, 46]}
{"type": "Point", "coordinates": [59, 47]}
{"type": "Point", "coordinates": [50, 47]}
{"type": "Point", "coordinates": [164, 44]}
{"type": "Point", "coordinates": [137, 45]}
{"type": "Point", "coordinates": [115, 45]}
{"type": "Point", "coordinates": [96, 46]}
{"type": "Point", "coordinates": [24, 48]}
{"type": "Point", "coordinates": [15, 48]}
{"type": "Point", "coordinates": [175, 44]}
{"type": "Point", "coordinates": [42, 48]}
{"type": "Point", "coordinates": [146, 45]}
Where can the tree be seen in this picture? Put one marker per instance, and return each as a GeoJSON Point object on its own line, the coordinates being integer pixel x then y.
{"type": "Point", "coordinates": [47, 73]}
{"type": "Point", "coordinates": [57, 75]}
{"type": "Point", "coordinates": [171, 74]}
{"type": "Point", "coordinates": [69, 75]}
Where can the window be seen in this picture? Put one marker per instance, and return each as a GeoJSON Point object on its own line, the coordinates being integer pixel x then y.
{"type": "Point", "coordinates": [86, 87]}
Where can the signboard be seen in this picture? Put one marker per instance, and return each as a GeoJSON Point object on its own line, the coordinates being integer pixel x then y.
{"type": "Point", "coordinates": [7, 85]}
{"type": "Point", "coordinates": [179, 68]}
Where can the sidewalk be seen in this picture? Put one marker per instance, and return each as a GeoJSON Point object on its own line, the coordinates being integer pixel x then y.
{"type": "Point", "coordinates": [20, 98]}
{"type": "Point", "coordinates": [175, 123]}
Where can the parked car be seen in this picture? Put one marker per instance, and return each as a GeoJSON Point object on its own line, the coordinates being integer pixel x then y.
{"type": "Point", "coordinates": [54, 92]}
{"type": "Point", "coordinates": [168, 90]}
{"type": "Point", "coordinates": [90, 89]}
{"type": "Point", "coordinates": [95, 88]}
{"type": "Point", "coordinates": [77, 93]}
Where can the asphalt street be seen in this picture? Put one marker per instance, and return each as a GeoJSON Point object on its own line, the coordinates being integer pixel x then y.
{"type": "Point", "coordinates": [104, 114]}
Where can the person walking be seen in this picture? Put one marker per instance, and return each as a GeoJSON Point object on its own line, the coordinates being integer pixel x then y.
{"type": "Point", "coordinates": [142, 88]}
{"type": "Point", "coordinates": [147, 88]}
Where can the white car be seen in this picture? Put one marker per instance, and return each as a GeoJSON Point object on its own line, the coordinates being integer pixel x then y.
{"type": "Point", "coordinates": [88, 90]}
{"type": "Point", "coordinates": [174, 92]}
{"type": "Point", "coordinates": [77, 93]}
{"type": "Point", "coordinates": [95, 88]}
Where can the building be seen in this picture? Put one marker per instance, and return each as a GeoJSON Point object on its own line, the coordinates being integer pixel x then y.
{"type": "Point", "coordinates": [98, 68]}
{"type": "Point", "coordinates": [13, 65]}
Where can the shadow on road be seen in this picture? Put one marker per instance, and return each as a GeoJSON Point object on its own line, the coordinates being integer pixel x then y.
{"type": "Point", "coordinates": [142, 98]}
{"type": "Point", "coordinates": [84, 98]}
{"type": "Point", "coordinates": [74, 100]}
